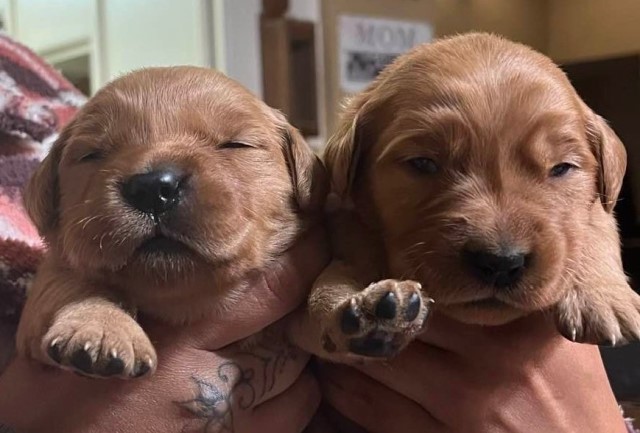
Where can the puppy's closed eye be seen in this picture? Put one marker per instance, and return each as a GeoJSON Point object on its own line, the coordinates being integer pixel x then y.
{"type": "Point", "coordinates": [235, 145]}
{"type": "Point", "coordinates": [92, 155]}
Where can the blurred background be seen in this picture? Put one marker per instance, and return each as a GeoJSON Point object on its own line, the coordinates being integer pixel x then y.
{"type": "Point", "coordinates": [305, 56]}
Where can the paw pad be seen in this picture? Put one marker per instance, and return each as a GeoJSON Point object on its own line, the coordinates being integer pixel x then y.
{"type": "Point", "coordinates": [91, 348]}
{"type": "Point", "coordinates": [350, 319]}
{"type": "Point", "coordinates": [413, 307]}
{"type": "Point", "coordinates": [387, 306]}
{"type": "Point", "coordinates": [379, 321]}
{"type": "Point", "coordinates": [376, 344]}
{"type": "Point", "coordinates": [115, 366]}
{"type": "Point", "coordinates": [81, 360]}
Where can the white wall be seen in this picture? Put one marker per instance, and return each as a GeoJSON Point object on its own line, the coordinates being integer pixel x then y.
{"type": "Point", "coordinates": [45, 25]}
{"type": "Point", "coordinates": [243, 59]}
{"type": "Point", "coordinates": [305, 10]}
{"type": "Point", "coordinates": [137, 33]}
{"type": "Point", "coordinates": [122, 35]}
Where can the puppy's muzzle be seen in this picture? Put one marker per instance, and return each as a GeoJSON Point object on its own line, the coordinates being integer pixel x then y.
{"type": "Point", "coordinates": [154, 192]}
{"type": "Point", "coordinates": [500, 269]}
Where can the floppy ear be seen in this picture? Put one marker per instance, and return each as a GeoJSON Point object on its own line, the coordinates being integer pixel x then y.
{"type": "Point", "coordinates": [41, 195]}
{"type": "Point", "coordinates": [612, 159]}
{"type": "Point", "coordinates": [347, 146]}
{"type": "Point", "coordinates": [306, 170]}
{"type": "Point", "coordinates": [342, 154]}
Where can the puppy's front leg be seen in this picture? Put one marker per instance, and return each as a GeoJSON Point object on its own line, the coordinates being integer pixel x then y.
{"type": "Point", "coordinates": [70, 322]}
{"type": "Point", "coordinates": [600, 307]}
{"type": "Point", "coordinates": [342, 321]}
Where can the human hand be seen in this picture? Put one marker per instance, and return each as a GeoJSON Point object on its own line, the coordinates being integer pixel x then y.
{"type": "Point", "coordinates": [201, 385]}
{"type": "Point", "coordinates": [522, 377]}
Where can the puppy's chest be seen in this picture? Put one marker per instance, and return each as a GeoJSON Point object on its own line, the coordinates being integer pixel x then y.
{"type": "Point", "coordinates": [181, 302]}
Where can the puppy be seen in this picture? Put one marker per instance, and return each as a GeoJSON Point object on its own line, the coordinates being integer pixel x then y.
{"type": "Point", "coordinates": [471, 171]}
{"type": "Point", "coordinates": [165, 191]}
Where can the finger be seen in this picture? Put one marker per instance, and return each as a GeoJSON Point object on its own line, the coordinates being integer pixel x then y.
{"type": "Point", "coordinates": [289, 412]}
{"type": "Point", "coordinates": [420, 373]}
{"type": "Point", "coordinates": [280, 370]}
{"type": "Point", "coordinates": [372, 405]}
{"type": "Point", "coordinates": [255, 374]}
{"type": "Point", "coordinates": [267, 297]}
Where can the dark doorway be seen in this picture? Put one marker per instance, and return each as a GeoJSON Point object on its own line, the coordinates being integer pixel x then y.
{"type": "Point", "coordinates": [611, 88]}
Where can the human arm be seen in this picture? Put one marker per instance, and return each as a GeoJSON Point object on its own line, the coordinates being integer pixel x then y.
{"type": "Point", "coordinates": [522, 377]}
{"type": "Point", "coordinates": [202, 384]}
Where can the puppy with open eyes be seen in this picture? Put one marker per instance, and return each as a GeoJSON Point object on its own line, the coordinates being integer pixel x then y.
{"type": "Point", "coordinates": [164, 192]}
{"type": "Point", "coordinates": [472, 172]}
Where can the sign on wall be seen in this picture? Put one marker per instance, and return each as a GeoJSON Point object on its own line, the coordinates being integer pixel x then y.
{"type": "Point", "coordinates": [368, 44]}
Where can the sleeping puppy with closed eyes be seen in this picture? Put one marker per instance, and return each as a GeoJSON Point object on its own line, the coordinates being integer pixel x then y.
{"type": "Point", "coordinates": [168, 188]}
{"type": "Point", "coordinates": [470, 172]}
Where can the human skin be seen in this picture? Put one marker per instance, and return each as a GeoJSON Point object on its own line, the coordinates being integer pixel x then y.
{"type": "Point", "coordinates": [202, 384]}
{"type": "Point", "coordinates": [522, 377]}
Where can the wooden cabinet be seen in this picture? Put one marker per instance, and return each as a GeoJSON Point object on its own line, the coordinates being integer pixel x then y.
{"type": "Point", "coordinates": [289, 70]}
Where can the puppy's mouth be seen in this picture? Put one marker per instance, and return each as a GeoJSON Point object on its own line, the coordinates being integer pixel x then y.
{"type": "Point", "coordinates": [491, 303]}
{"type": "Point", "coordinates": [161, 244]}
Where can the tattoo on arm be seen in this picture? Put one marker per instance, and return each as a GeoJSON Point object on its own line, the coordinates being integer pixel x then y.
{"type": "Point", "coordinates": [237, 385]}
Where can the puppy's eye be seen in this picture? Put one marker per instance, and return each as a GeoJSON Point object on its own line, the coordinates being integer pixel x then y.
{"type": "Point", "coordinates": [234, 145]}
{"type": "Point", "coordinates": [560, 170]}
{"type": "Point", "coordinates": [94, 155]}
{"type": "Point", "coordinates": [423, 165]}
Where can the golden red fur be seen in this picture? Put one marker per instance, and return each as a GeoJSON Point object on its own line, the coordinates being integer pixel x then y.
{"type": "Point", "coordinates": [246, 184]}
{"type": "Point", "coordinates": [473, 167]}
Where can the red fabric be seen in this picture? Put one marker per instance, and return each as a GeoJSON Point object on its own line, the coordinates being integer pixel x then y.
{"type": "Point", "coordinates": [36, 101]}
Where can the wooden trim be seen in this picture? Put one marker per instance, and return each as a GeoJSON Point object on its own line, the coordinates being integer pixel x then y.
{"type": "Point", "coordinates": [274, 8]}
{"type": "Point", "coordinates": [98, 60]}
{"type": "Point", "coordinates": [219, 36]}
{"type": "Point", "coordinates": [289, 73]}
{"type": "Point", "coordinates": [68, 51]}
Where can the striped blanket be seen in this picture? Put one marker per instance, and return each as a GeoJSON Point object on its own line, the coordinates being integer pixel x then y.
{"type": "Point", "coordinates": [35, 102]}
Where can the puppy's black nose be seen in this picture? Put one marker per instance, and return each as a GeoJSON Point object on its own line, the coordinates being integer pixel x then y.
{"type": "Point", "coordinates": [499, 269]}
{"type": "Point", "coordinates": [154, 192]}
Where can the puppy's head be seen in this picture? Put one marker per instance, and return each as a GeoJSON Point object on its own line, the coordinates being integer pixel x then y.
{"type": "Point", "coordinates": [482, 170]}
{"type": "Point", "coordinates": [169, 172]}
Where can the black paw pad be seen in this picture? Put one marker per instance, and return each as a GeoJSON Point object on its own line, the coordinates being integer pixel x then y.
{"type": "Point", "coordinates": [374, 345]}
{"type": "Point", "coordinates": [413, 308]}
{"type": "Point", "coordinates": [140, 369]}
{"type": "Point", "coordinates": [350, 321]}
{"type": "Point", "coordinates": [114, 366]}
{"type": "Point", "coordinates": [387, 306]}
{"type": "Point", "coordinates": [82, 361]}
{"type": "Point", "coordinates": [608, 342]}
{"type": "Point", "coordinates": [54, 352]}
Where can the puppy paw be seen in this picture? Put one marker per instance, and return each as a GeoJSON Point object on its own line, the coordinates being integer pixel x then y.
{"type": "Point", "coordinates": [379, 321]}
{"type": "Point", "coordinates": [611, 318]}
{"type": "Point", "coordinates": [99, 346]}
